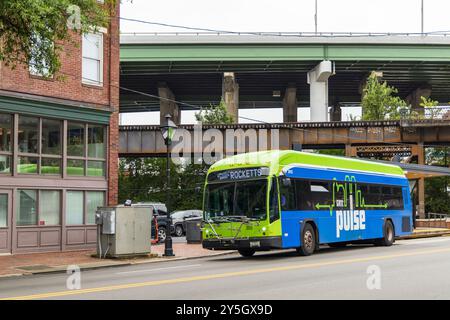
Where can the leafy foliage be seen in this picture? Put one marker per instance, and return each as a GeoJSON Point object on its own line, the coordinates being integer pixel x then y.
{"type": "Point", "coordinates": [144, 179]}
{"type": "Point", "coordinates": [331, 152]}
{"type": "Point", "coordinates": [428, 102]}
{"type": "Point", "coordinates": [215, 115]}
{"type": "Point", "coordinates": [437, 197]}
{"type": "Point", "coordinates": [379, 101]}
{"type": "Point", "coordinates": [35, 30]}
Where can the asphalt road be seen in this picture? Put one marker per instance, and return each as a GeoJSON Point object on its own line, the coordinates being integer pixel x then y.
{"type": "Point", "coordinates": [411, 269]}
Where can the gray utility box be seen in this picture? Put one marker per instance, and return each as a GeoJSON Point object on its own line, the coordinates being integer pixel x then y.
{"type": "Point", "coordinates": [123, 231]}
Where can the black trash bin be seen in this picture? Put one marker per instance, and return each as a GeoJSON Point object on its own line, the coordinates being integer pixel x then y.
{"type": "Point", "coordinates": [193, 230]}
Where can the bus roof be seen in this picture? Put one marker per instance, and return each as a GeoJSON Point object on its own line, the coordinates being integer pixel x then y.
{"type": "Point", "coordinates": [278, 159]}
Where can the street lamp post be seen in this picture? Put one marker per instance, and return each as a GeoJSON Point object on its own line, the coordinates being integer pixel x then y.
{"type": "Point", "coordinates": [168, 131]}
{"type": "Point", "coordinates": [421, 18]}
{"type": "Point", "coordinates": [315, 18]}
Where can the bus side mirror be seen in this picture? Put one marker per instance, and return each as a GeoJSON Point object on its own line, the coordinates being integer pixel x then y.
{"type": "Point", "coordinates": [198, 189]}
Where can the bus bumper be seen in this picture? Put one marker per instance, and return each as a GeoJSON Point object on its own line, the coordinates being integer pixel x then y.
{"type": "Point", "coordinates": [265, 243]}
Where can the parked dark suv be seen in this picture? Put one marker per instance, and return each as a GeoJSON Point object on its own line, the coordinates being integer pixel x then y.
{"type": "Point", "coordinates": [159, 223]}
{"type": "Point", "coordinates": [179, 220]}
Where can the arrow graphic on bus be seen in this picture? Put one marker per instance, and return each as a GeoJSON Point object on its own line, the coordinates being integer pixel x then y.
{"type": "Point", "coordinates": [348, 188]}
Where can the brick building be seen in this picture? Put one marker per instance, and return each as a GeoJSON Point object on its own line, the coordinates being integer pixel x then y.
{"type": "Point", "coordinates": [58, 146]}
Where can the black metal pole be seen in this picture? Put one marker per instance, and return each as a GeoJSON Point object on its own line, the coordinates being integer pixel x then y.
{"type": "Point", "coordinates": [168, 250]}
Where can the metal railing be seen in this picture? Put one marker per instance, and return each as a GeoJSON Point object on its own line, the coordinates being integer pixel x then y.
{"type": "Point", "coordinates": [431, 113]}
{"type": "Point", "coordinates": [437, 216]}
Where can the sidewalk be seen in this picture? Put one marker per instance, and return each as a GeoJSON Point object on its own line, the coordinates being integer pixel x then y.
{"type": "Point", "coordinates": [427, 232]}
{"type": "Point", "coordinates": [34, 263]}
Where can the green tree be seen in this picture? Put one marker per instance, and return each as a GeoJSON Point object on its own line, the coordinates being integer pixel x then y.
{"type": "Point", "coordinates": [331, 152]}
{"type": "Point", "coordinates": [431, 105]}
{"type": "Point", "coordinates": [215, 114]}
{"type": "Point", "coordinates": [144, 179]}
{"type": "Point", "coordinates": [35, 30]}
{"type": "Point", "coordinates": [437, 196]}
{"type": "Point", "coordinates": [379, 101]}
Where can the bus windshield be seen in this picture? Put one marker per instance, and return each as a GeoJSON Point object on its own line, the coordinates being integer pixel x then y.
{"type": "Point", "coordinates": [234, 200]}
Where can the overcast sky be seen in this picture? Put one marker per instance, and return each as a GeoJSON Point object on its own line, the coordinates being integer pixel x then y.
{"type": "Point", "coordinates": [282, 15]}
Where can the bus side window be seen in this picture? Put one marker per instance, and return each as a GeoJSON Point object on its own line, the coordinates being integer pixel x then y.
{"type": "Point", "coordinates": [274, 213]}
{"type": "Point", "coordinates": [287, 194]}
{"type": "Point", "coordinates": [321, 194]}
{"type": "Point", "coordinates": [303, 193]}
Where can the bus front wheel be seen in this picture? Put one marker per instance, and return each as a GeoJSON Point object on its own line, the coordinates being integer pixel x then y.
{"type": "Point", "coordinates": [246, 252]}
{"type": "Point", "coordinates": [388, 235]}
{"type": "Point", "coordinates": [308, 241]}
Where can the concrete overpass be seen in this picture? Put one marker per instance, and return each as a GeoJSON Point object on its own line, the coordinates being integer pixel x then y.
{"type": "Point", "coordinates": [286, 71]}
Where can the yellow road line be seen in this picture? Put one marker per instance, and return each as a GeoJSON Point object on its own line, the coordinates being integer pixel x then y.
{"type": "Point", "coordinates": [222, 275]}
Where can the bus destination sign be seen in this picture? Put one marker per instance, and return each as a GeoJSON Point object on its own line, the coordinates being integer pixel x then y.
{"type": "Point", "coordinates": [239, 174]}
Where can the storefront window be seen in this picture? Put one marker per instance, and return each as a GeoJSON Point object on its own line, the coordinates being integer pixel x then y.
{"type": "Point", "coordinates": [50, 166]}
{"type": "Point", "coordinates": [94, 200]}
{"type": "Point", "coordinates": [96, 141]}
{"type": "Point", "coordinates": [75, 139]}
{"type": "Point", "coordinates": [75, 167]}
{"type": "Point", "coordinates": [51, 137]}
{"type": "Point", "coordinates": [96, 168]}
{"type": "Point", "coordinates": [28, 134]}
{"type": "Point", "coordinates": [27, 210]}
{"type": "Point", "coordinates": [49, 208]}
{"type": "Point", "coordinates": [3, 210]}
{"type": "Point", "coordinates": [74, 207]}
{"type": "Point", "coordinates": [27, 165]}
{"type": "Point", "coordinates": [5, 132]}
{"type": "Point", "coordinates": [40, 149]}
{"type": "Point", "coordinates": [5, 163]}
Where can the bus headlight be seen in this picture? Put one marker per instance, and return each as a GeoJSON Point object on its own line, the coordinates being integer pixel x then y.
{"type": "Point", "coordinates": [264, 229]}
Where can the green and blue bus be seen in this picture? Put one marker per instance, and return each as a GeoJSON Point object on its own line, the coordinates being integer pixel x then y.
{"type": "Point", "coordinates": [288, 199]}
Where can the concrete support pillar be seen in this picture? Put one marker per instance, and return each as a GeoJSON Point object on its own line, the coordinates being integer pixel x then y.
{"type": "Point", "coordinates": [230, 94]}
{"type": "Point", "coordinates": [318, 88]}
{"type": "Point", "coordinates": [167, 105]}
{"type": "Point", "coordinates": [290, 104]}
{"type": "Point", "coordinates": [421, 182]}
{"type": "Point", "coordinates": [414, 97]}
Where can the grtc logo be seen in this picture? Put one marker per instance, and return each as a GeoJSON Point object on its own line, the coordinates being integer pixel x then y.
{"type": "Point", "coordinates": [350, 220]}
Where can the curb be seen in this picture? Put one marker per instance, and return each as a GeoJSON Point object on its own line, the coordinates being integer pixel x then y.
{"type": "Point", "coordinates": [430, 234]}
{"type": "Point", "coordinates": [63, 269]}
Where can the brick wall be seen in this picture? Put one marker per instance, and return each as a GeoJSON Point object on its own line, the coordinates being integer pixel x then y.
{"type": "Point", "coordinates": [72, 88]}
{"type": "Point", "coordinates": [433, 223]}
{"type": "Point", "coordinates": [113, 177]}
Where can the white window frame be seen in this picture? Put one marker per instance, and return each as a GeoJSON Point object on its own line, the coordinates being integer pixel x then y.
{"type": "Point", "coordinates": [101, 61]}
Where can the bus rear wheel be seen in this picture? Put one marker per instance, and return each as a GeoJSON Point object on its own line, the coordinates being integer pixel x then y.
{"type": "Point", "coordinates": [246, 252]}
{"type": "Point", "coordinates": [388, 235]}
{"type": "Point", "coordinates": [308, 241]}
